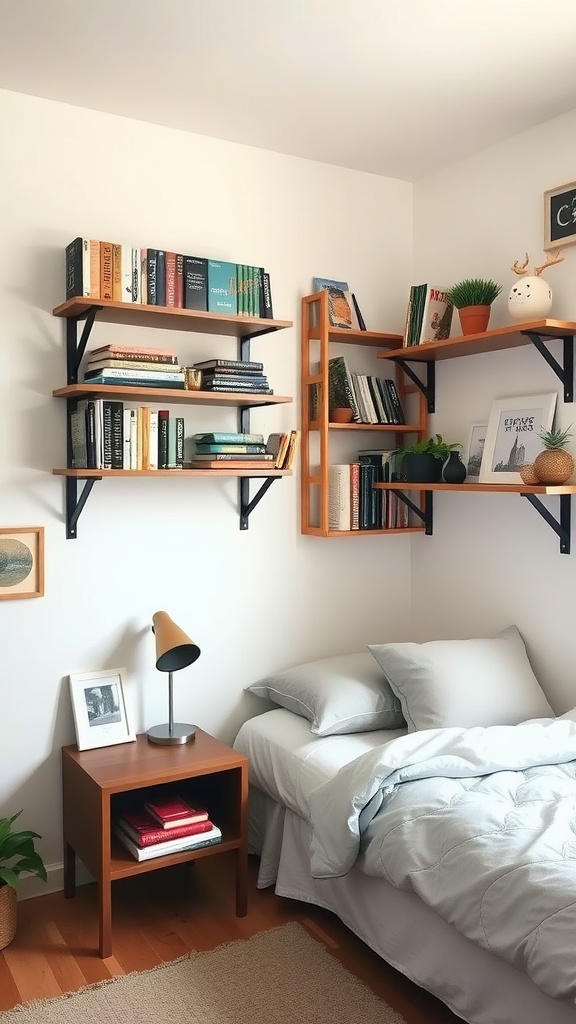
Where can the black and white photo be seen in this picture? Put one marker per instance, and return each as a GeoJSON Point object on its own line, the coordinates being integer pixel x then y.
{"type": "Point", "coordinates": [99, 704]}
{"type": "Point", "coordinates": [513, 436]}
{"type": "Point", "coordinates": [476, 444]}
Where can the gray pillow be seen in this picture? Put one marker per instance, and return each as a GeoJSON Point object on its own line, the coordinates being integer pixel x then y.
{"type": "Point", "coordinates": [347, 693]}
{"type": "Point", "coordinates": [464, 683]}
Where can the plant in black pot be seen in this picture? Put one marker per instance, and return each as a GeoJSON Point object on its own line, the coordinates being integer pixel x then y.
{"type": "Point", "coordinates": [424, 462]}
{"type": "Point", "coordinates": [17, 854]}
{"type": "Point", "coordinates": [473, 299]}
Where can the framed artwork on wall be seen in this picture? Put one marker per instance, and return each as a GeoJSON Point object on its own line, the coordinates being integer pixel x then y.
{"type": "Point", "coordinates": [476, 443]}
{"type": "Point", "coordinates": [101, 716]}
{"type": "Point", "coordinates": [513, 436]}
{"type": "Point", "coordinates": [21, 562]}
{"type": "Point", "coordinates": [560, 216]}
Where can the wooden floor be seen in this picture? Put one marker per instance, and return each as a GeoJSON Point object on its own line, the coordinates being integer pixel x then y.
{"type": "Point", "coordinates": [162, 915]}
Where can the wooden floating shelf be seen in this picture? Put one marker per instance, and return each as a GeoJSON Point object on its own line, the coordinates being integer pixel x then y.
{"type": "Point", "coordinates": [100, 474]}
{"type": "Point", "coordinates": [500, 338]}
{"type": "Point", "coordinates": [316, 532]}
{"type": "Point", "coordinates": [401, 485]}
{"type": "Point", "coordinates": [406, 428]}
{"type": "Point", "coordinates": [173, 396]}
{"type": "Point", "coordinates": [167, 317]}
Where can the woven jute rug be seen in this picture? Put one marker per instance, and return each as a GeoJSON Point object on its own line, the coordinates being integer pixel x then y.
{"type": "Point", "coordinates": [282, 976]}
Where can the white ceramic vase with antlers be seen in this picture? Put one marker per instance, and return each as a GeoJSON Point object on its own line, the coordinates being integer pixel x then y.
{"type": "Point", "coordinates": [531, 298]}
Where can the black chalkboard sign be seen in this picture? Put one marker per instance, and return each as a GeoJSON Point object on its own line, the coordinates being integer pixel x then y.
{"type": "Point", "coordinates": [560, 216]}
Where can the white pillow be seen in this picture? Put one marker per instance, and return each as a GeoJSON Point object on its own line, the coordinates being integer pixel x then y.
{"type": "Point", "coordinates": [347, 693]}
{"type": "Point", "coordinates": [463, 683]}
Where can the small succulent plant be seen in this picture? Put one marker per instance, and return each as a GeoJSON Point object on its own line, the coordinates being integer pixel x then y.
{"type": "Point", "coordinates": [555, 438]}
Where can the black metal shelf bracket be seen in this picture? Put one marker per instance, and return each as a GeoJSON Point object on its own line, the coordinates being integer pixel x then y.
{"type": "Point", "coordinates": [75, 348]}
{"type": "Point", "coordinates": [565, 370]}
{"type": "Point", "coordinates": [562, 526]}
{"type": "Point", "coordinates": [247, 506]}
{"type": "Point", "coordinates": [75, 504]}
{"type": "Point", "coordinates": [425, 514]}
{"type": "Point", "coordinates": [427, 387]}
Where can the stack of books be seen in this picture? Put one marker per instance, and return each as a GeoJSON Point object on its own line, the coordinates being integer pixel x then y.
{"type": "Point", "coordinates": [372, 399]}
{"type": "Point", "coordinates": [229, 451]}
{"type": "Point", "coordinates": [134, 367]}
{"type": "Point", "coordinates": [429, 315]}
{"type": "Point", "coordinates": [234, 375]}
{"type": "Point", "coordinates": [165, 826]}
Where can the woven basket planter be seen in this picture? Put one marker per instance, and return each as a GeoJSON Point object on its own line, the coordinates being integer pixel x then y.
{"type": "Point", "coordinates": [7, 915]}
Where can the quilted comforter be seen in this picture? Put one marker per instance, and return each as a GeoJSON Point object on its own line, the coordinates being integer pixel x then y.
{"type": "Point", "coordinates": [480, 823]}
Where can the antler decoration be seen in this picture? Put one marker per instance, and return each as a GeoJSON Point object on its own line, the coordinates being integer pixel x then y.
{"type": "Point", "coordinates": [554, 257]}
{"type": "Point", "coordinates": [522, 268]}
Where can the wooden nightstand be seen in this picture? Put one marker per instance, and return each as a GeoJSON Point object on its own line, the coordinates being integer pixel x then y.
{"type": "Point", "coordinates": [95, 783]}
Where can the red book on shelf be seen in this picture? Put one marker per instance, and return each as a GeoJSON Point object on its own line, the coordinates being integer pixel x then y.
{"type": "Point", "coordinates": [145, 831]}
{"type": "Point", "coordinates": [172, 813]}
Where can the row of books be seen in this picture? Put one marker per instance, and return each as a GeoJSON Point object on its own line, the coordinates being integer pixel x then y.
{"type": "Point", "coordinates": [353, 501]}
{"type": "Point", "coordinates": [152, 830]}
{"type": "Point", "coordinates": [372, 399]}
{"type": "Point", "coordinates": [221, 450]}
{"type": "Point", "coordinates": [429, 315]}
{"type": "Point", "coordinates": [104, 434]}
{"type": "Point", "coordinates": [156, 277]}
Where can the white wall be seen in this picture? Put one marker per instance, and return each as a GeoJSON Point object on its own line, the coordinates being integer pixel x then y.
{"type": "Point", "coordinates": [493, 560]}
{"type": "Point", "coordinates": [253, 601]}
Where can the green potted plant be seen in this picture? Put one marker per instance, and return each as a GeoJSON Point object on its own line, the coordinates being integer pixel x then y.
{"type": "Point", "coordinates": [422, 462]}
{"type": "Point", "coordinates": [17, 854]}
{"type": "Point", "coordinates": [473, 298]}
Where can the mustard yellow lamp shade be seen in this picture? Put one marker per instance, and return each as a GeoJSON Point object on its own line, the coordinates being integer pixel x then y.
{"type": "Point", "coordinates": [174, 651]}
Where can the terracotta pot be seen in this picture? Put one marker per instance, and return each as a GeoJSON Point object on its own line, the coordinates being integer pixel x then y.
{"type": "Point", "coordinates": [341, 415]}
{"type": "Point", "coordinates": [474, 319]}
{"type": "Point", "coordinates": [7, 915]}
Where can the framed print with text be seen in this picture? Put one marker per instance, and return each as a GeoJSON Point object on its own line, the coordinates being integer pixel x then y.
{"type": "Point", "coordinates": [513, 436]}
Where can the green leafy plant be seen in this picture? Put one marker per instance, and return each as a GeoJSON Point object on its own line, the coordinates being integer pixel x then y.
{"type": "Point", "coordinates": [473, 291]}
{"type": "Point", "coordinates": [435, 446]}
{"type": "Point", "coordinates": [555, 438]}
{"type": "Point", "coordinates": [17, 854]}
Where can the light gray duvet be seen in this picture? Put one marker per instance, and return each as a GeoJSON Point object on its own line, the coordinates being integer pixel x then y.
{"type": "Point", "coordinates": [480, 823]}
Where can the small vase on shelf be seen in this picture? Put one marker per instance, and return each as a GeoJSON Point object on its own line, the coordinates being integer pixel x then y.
{"type": "Point", "coordinates": [453, 469]}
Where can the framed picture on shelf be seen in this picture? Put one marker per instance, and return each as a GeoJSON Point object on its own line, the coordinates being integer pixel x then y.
{"type": "Point", "coordinates": [101, 717]}
{"type": "Point", "coordinates": [560, 216]}
{"type": "Point", "coordinates": [21, 562]}
{"type": "Point", "coordinates": [513, 436]}
{"type": "Point", "coordinates": [476, 443]}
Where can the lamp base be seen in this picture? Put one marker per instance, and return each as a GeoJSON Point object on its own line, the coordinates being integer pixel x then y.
{"type": "Point", "coordinates": [179, 733]}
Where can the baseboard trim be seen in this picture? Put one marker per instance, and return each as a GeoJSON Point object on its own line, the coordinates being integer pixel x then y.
{"type": "Point", "coordinates": [30, 886]}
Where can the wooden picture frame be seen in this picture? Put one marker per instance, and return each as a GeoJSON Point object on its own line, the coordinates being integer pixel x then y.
{"type": "Point", "coordinates": [560, 216]}
{"type": "Point", "coordinates": [101, 714]}
{"type": "Point", "coordinates": [512, 438]}
{"type": "Point", "coordinates": [21, 562]}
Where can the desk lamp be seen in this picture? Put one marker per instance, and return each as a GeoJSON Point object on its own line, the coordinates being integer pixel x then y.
{"type": "Point", "coordinates": [174, 650]}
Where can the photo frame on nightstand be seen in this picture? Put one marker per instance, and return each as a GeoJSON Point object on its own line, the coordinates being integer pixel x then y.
{"type": "Point", "coordinates": [101, 714]}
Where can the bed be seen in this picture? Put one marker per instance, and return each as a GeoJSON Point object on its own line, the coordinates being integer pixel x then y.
{"type": "Point", "coordinates": [305, 766]}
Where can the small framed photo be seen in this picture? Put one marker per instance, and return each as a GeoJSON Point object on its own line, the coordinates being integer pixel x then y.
{"type": "Point", "coordinates": [101, 716]}
{"type": "Point", "coordinates": [512, 437]}
{"type": "Point", "coordinates": [476, 443]}
{"type": "Point", "coordinates": [21, 562]}
{"type": "Point", "coordinates": [560, 216]}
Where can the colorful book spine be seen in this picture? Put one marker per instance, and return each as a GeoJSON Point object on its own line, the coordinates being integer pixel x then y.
{"type": "Point", "coordinates": [222, 294]}
{"type": "Point", "coordinates": [195, 283]}
{"type": "Point", "coordinates": [220, 437]}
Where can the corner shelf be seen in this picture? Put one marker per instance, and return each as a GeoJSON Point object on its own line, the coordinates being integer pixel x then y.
{"type": "Point", "coordinates": [315, 481]}
{"type": "Point", "coordinates": [560, 526]}
{"type": "Point", "coordinates": [533, 332]}
{"type": "Point", "coordinates": [244, 329]}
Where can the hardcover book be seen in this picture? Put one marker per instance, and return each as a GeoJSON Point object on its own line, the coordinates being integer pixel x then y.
{"type": "Point", "coordinates": [139, 352]}
{"type": "Point", "coordinates": [146, 831]}
{"type": "Point", "coordinates": [230, 457]}
{"type": "Point", "coordinates": [222, 294]}
{"type": "Point", "coordinates": [231, 462]}
{"type": "Point", "coordinates": [195, 283]}
{"type": "Point", "coordinates": [233, 364]}
{"type": "Point", "coordinates": [206, 448]}
{"type": "Point", "coordinates": [175, 811]}
{"type": "Point", "coordinates": [228, 438]}
{"type": "Point", "coordinates": [174, 846]}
